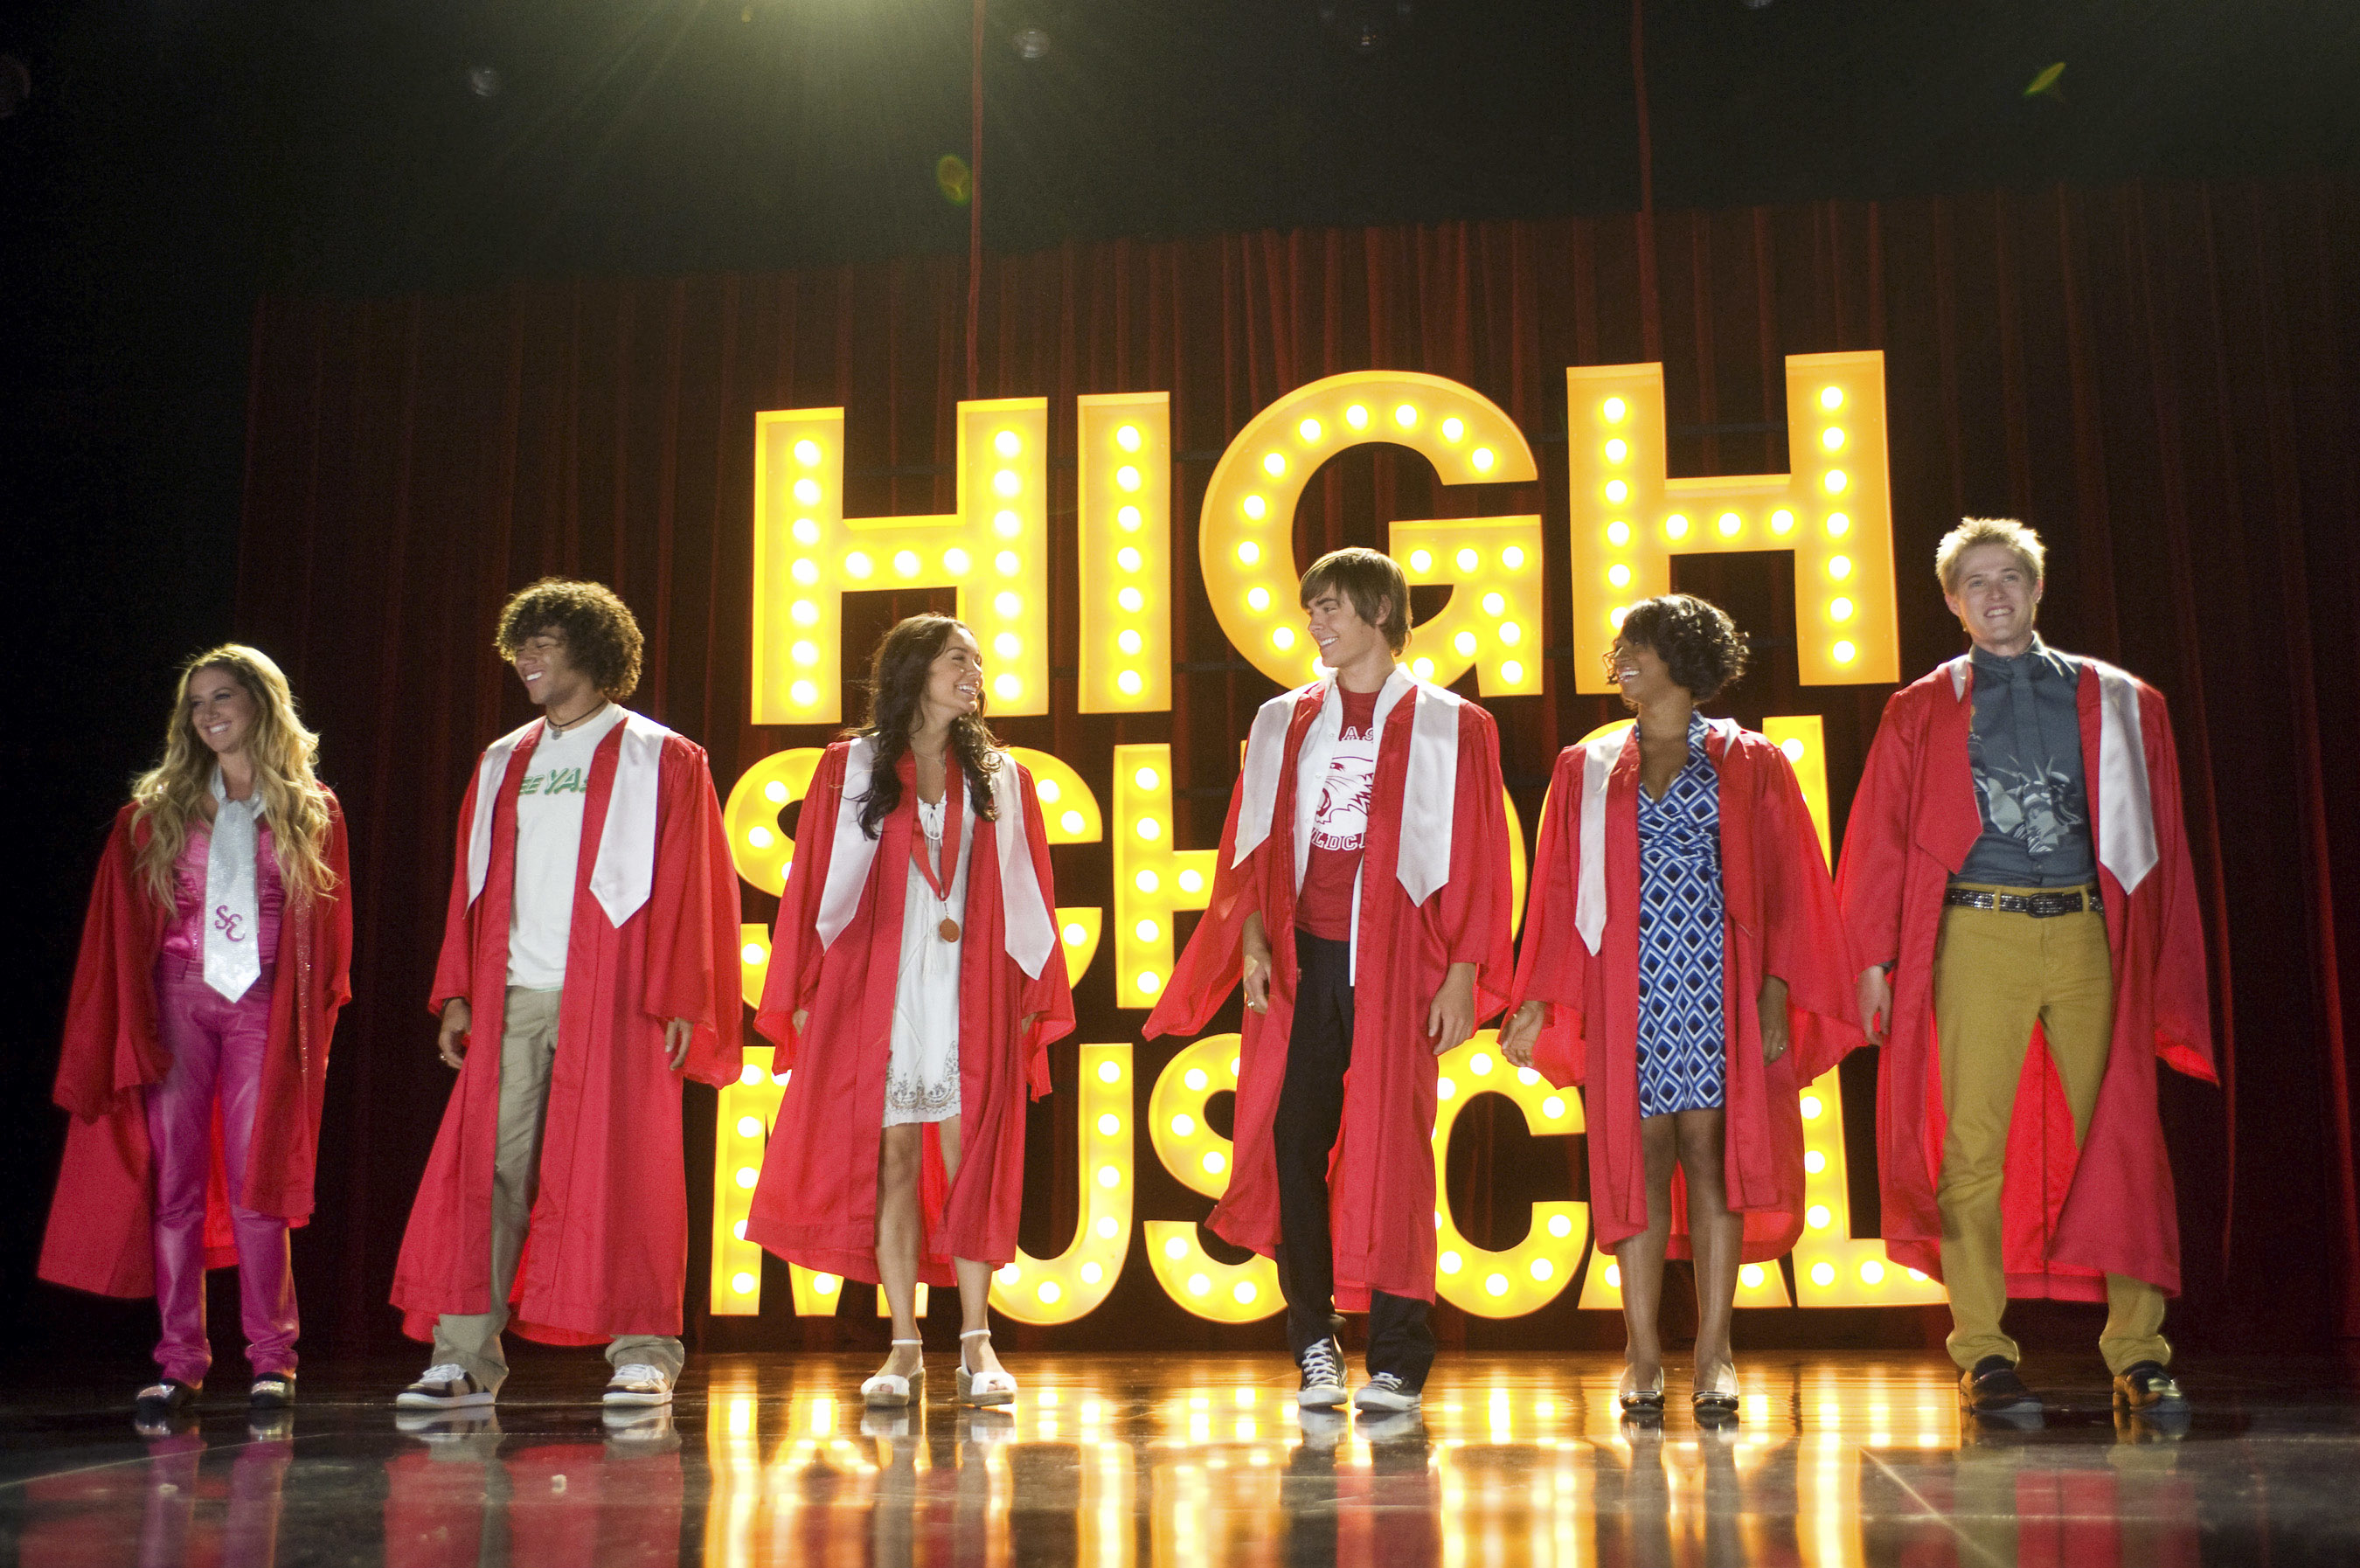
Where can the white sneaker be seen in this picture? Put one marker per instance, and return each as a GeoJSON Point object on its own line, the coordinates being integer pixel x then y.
{"type": "Point", "coordinates": [445, 1386]}
{"type": "Point", "coordinates": [1323, 1376]}
{"type": "Point", "coordinates": [637, 1383]}
{"type": "Point", "coordinates": [1385, 1393]}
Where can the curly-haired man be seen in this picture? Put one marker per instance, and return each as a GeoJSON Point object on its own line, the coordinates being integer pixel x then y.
{"type": "Point", "coordinates": [593, 913]}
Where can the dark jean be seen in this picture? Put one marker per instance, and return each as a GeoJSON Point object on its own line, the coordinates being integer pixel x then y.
{"type": "Point", "coordinates": [1310, 1113]}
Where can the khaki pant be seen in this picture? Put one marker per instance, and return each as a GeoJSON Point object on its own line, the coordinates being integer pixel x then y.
{"type": "Point", "coordinates": [472, 1340]}
{"type": "Point", "coordinates": [1995, 974]}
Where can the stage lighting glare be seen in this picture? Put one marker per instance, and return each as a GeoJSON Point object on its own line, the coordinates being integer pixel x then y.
{"type": "Point", "coordinates": [1008, 443]}
{"type": "Point", "coordinates": [1836, 481]}
{"type": "Point", "coordinates": [1309, 430]}
{"type": "Point", "coordinates": [807, 491]}
{"type": "Point", "coordinates": [1128, 640]}
{"type": "Point", "coordinates": [955, 561]}
{"type": "Point", "coordinates": [1781, 521]}
{"type": "Point", "coordinates": [1464, 644]}
{"type": "Point", "coordinates": [1468, 559]}
{"type": "Point", "coordinates": [1405, 416]}
{"type": "Point", "coordinates": [807, 453]}
{"type": "Point", "coordinates": [1728, 525]}
{"type": "Point", "coordinates": [1249, 552]}
{"type": "Point", "coordinates": [1007, 645]}
{"type": "Point", "coordinates": [1618, 534]}
{"type": "Point", "coordinates": [1839, 567]}
{"type": "Point", "coordinates": [1127, 478]}
{"type": "Point", "coordinates": [1282, 637]}
{"type": "Point", "coordinates": [1357, 416]}
{"type": "Point", "coordinates": [905, 562]}
{"type": "Point", "coordinates": [1617, 450]}
{"type": "Point", "coordinates": [858, 564]}
{"type": "Point", "coordinates": [1832, 438]}
{"type": "Point", "coordinates": [1839, 609]}
{"type": "Point", "coordinates": [1007, 481]}
{"type": "Point", "coordinates": [1424, 669]}
{"type": "Point", "coordinates": [1832, 398]}
{"type": "Point", "coordinates": [750, 953]}
{"type": "Point", "coordinates": [1128, 520]}
{"type": "Point", "coordinates": [805, 532]}
{"type": "Point", "coordinates": [1453, 428]}
{"type": "Point", "coordinates": [1619, 575]}
{"type": "Point", "coordinates": [805, 693]}
{"type": "Point", "coordinates": [1006, 687]}
{"type": "Point", "coordinates": [1483, 457]}
{"type": "Point", "coordinates": [1617, 492]}
{"type": "Point", "coordinates": [1512, 671]}
{"type": "Point", "coordinates": [1192, 881]}
{"type": "Point", "coordinates": [1274, 464]}
{"type": "Point", "coordinates": [1127, 558]}
{"type": "Point", "coordinates": [1129, 682]}
{"type": "Point", "coordinates": [1512, 558]}
{"type": "Point", "coordinates": [1007, 601]}
{"type": "Point", "coordinates": [1493, 604]}
{"type": "Point", "coordinates": [1421, 561]}
{"type": "Point", "coordinates": [1047, 790]}
{"type": "Point", "coordinates": [1008, 562]}
{"type": "Point", "coordinates": [1793, 746]}
{"type": "Point", "coordinates": [1131, 600]}
{"type": "Point", "coordinates": [1838, 525]}
{"type": "Point", "coordinates": [806, 572]}
{"type": "Point", "coordinates": [1677, 526]}
{"type": "Point", "coordinates": [1255, 507]}
{"type": "Point", "coordinates": [1843, 652]}
{"type": "Point", "coordinates": [1127, 437]}
{"type": "Point", "coordinates": [1031, 43]}
{"type": "Point", "coordinates": [1257, 599]}
{"type": "Point", "coordinates": [1007, 524]}
{"type": "Point", "coordinates": [1542, 1268]}
{"type": "Point", "coordinates": [1091, 1273]}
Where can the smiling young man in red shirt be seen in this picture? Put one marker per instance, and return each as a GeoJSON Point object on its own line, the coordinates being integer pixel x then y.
{"type": "Point", "coordinates": [1362, 897]}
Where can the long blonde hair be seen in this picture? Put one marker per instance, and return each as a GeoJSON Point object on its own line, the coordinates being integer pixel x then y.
{"type": "Point", "coordinates": [171, 796]}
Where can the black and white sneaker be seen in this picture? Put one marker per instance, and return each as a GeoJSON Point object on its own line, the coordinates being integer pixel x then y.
{"type": "Point", "coordinates": [1385, 1394]}
{"type": "Point", "coordinates": [1323, 1376]}
{"type": "Point", "coordinates": [445, 1386]}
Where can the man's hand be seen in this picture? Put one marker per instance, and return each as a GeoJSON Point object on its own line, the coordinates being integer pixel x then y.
{"type": "Point", "coordinates": [678, 1032]}
{"type": "Point", "coordinates": [453, 1045]}
{"type": "Point", "coordinates": [802, 1016]}
{"type": "Point", "coordinates": [1772, 1011]}
{"type": "Point", "coordinates": [1451, 1016]}
{"type": "Point", "coordinates": [1255, 947]}
{"type": "Point", "coordinates": [1875, 1004]}
{"type": "Point", "coordinates": [1524, 1032]}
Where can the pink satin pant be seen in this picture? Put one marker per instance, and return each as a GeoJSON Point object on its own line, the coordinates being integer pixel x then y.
{"type": "Point", "coordinates": [217, 1050]}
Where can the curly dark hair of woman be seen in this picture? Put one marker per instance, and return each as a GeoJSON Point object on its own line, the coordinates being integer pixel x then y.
{"type": "Point", "coordinates": [1700, 647]}
{"type": "Point", "coordinates": [600, 635]}
{"type": "Point", "coordinates": [897, 685]}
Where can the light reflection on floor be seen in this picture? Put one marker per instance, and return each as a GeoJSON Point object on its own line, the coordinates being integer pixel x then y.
{"type": "Point", "coordinates": [1121, 1462]}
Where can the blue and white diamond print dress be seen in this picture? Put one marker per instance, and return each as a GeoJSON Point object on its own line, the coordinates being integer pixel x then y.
{"type": "Point", "coordinates": [1683, 1049]}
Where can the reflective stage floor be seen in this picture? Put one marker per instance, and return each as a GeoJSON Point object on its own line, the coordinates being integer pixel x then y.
{"type": "Point", "coordinates": [1122, 1460]}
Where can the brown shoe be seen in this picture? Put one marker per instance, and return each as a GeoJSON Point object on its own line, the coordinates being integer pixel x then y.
{"type": "Point", "coordinates": [1992, 1389]}
{"type": "Point", "coordinates": [2147, 1389]}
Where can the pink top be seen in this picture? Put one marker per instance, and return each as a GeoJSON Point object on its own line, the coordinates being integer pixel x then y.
{"type": "Point", "coordinates": [185, 937]}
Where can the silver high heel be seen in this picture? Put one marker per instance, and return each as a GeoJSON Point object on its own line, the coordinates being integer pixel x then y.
{"type": "Point", "coordinates": [1637, 1400]}
{"type": "Point", "coordinates": [1715, 1398]}
{"type": "Point", "coordinates": [891, 1390]}
{"type": "Point", "coordinates": [982, 1388]}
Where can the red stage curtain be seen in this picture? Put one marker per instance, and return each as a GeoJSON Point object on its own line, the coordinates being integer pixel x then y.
{"type": "Point", "coordinates": [2160, 379]}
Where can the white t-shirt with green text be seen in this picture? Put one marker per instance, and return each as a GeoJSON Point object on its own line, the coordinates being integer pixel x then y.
{"type": "Point", "coordinates": [549, 846]}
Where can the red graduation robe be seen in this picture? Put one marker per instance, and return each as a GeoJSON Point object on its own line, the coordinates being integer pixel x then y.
{"type": "Point", "coordinates": [816, 1201]}
{"type": "Point", "coordinates": [2068, 1218]}
{"type": "Point", "coordinates": [1381, 1178]}
{"type": "Point", "coordinates": [607, 1251]}
{"type": "Point", "coordinates": [101, 1231]}
{"type": "Point", "coordinates": [1781, 920]}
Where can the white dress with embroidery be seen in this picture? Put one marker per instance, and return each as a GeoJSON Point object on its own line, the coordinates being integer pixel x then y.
{"type": "Point", "coordinates": [921, 1077]}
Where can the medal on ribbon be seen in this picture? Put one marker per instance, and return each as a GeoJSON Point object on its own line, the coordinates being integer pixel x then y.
{"type": "Point", "coordinates": [953, 800]}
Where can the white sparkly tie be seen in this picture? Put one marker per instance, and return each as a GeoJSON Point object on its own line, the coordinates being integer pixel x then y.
{"type": "Point", "coordinates": [233, 942]}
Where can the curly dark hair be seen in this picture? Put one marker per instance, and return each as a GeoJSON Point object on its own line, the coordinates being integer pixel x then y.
{"type": "Point", "coordinates": [897, 682]}
{"type": "Point", "coordinates": [1699, 645]}
{"type": "Point", "coordinates": [601, 636]}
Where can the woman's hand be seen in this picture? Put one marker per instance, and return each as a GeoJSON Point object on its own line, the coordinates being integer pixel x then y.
{"type": "Point", "coordinates": [1771, 1008]}
{"type": "Point", "coordinates": [677, 1034]}
{"type": "Point", "coordinates": [1524, 1032]}
{"type": "Point", "coordinates": [452, 1043]}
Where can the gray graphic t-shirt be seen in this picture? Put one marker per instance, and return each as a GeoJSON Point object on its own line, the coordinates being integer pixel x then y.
{"type": "Point", "coordinates": [2026, 748]}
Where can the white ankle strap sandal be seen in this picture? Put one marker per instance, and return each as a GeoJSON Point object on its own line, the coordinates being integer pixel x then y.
{"type": "Point", "coordinates": [982, 1388]}
{"type": "Point", "coordinates": [891, 1390]}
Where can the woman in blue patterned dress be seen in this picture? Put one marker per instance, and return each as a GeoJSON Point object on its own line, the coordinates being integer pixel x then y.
{"type": "Point", "coordinates": [1642, 939]}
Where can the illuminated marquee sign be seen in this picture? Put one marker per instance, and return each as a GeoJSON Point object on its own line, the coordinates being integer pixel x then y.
{"type": "Point", "coordinates": [1833, 511]}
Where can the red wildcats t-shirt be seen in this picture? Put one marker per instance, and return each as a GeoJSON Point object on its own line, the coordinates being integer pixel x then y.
{"type": "Point", "coordinates": [1324, 906]}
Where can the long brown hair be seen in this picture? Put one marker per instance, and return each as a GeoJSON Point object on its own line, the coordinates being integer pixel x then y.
{"type": "Point", "coordinates": [897, 682]}
{"type": "Point", "coordinates": [169, 798]}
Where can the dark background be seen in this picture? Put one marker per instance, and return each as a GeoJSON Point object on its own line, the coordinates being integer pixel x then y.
{"type": "Point", "coordinates": [174, 165]}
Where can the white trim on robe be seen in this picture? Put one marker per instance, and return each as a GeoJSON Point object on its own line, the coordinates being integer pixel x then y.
{"type": "Point", "coordinates": [1599, 757]}
{"type": "Point", "coordinates": [623, 874]}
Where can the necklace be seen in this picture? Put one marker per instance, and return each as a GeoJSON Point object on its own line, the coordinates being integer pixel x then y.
{"type": "Point", "coordinates": [947, 852]}
{"type": "Point", "coordinates": [554, 727]}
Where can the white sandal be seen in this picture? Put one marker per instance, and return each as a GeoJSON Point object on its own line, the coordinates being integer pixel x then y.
{"type": "Point", "coordinates": [891, 1390]}
{"type": "Point", "coordinates": [982, 1388]}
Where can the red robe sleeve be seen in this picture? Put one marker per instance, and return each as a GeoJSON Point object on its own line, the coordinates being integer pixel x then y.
{"type": "Point", "coordinates": [1477, 903]}
{"type": "Point", "coordinates": [454, 966]}
{"type": "Point", "coordinates": [1875, 865]}
{"type": "Point", "coordinates": [1803, 937]}
{"type": "Point", "coordinates": [1553, 965]}
{"type": "Point", "coordinates": [111, 1040]}
{"type": "Point", "coordinates": [1048, 996]}
{"type": "Point", "coordinates": [2183, 1006]}
{"type": "Point", "coordinates": [692, 963]}
{"type": "Point", "coordinates": [796, 952]}
{"type": "Point", "coordinates": [1215, 956]}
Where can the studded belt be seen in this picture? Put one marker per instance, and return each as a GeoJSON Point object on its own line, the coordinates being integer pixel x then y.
{"type": "Point", "coordinates": [2039, 906]}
